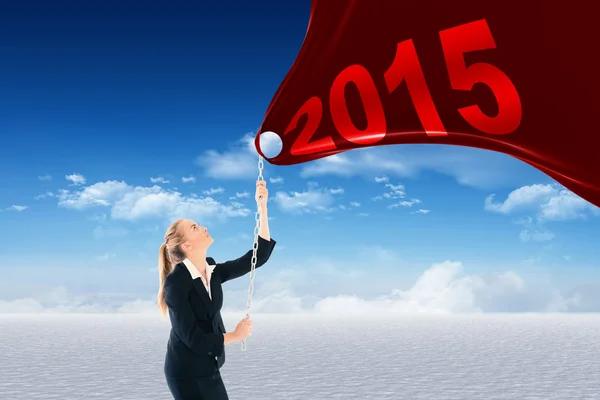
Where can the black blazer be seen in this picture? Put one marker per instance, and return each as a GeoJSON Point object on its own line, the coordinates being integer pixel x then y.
{"type": "Point", "coordinates": [195, 346]}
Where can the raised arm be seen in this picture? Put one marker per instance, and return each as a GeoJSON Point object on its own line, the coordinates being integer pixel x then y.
{"type": "Point", "coordinates": [183, 322]}
{"type": "Point", "coordinates": [241, 266]}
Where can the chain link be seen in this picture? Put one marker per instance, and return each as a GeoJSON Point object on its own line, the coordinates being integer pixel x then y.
{"type": "Point", "coordinates": [254, 248]}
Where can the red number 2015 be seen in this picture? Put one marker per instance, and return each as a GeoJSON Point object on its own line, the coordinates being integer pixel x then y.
{"type": "Point", "coordinates": [406, 67]}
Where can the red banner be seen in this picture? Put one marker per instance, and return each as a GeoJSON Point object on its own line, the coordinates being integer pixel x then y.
{"type": "Point", "coordinates": [513, 76]}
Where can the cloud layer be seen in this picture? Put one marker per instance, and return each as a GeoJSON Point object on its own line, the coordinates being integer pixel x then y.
{"type": "Point", "coordinates": [470, 167]}
{"type": "Point", "coordinates": [443, 288]}
{"type": "Point", "coordinates": [127, 202]}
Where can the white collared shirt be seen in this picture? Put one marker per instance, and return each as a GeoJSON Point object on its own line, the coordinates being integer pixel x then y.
{"type": "Point", "coordinates": [195, 274]}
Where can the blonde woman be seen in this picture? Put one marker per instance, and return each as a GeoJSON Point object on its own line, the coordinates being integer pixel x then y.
{"type": "Point", "coordinates": [191, 294]}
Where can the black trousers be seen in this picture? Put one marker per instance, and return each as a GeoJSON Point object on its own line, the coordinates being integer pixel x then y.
{"type": "Point", "coordinates": [198, 388]}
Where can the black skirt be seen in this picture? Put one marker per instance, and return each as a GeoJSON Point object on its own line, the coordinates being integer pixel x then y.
{"type": "Point", "coordinates": [198, 388]}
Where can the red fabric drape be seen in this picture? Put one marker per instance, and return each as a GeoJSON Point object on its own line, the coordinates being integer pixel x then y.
{"type": "Point", "coordinates": [517, 77]}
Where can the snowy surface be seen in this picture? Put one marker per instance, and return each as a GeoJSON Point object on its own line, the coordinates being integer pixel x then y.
{"type": "Point", "coordinates": [454, 357]}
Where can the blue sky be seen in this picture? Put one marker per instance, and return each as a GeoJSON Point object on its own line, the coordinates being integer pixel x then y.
{"type": "Point", "coordinates": [117, 120]}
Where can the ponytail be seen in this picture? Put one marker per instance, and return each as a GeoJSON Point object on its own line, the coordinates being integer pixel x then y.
{"type": "Point", "coordinates": [167, 258]}
{"type": "Point", "coordinates": [164, 268]}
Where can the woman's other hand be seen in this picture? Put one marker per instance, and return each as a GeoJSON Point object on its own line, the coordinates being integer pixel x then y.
{"type": "Point", "coordinates": [243, 329]}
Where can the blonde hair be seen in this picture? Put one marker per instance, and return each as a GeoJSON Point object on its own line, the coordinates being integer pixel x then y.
{"type": "Point", "coordinates": [170, 253]}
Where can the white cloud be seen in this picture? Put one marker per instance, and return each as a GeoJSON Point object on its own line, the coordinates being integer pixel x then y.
{"type": "Point", "coordinates": [99, 194]}
{"type": "Point", "coordinates": [276, 180]}
{"type": "Point", "coordinates": [552, 203]}
{"type": "Point", "coordinates": [441, 289]}
{"type": "Point", "coordinates": [312, 200]}
{"type": "Point", "coordinates": [395, 192]}
{"type": "Point", "coordinates": [45, 177]}
{"type": "Point", "coordinates": [17, 208]}
{"type": "Point", "coordinates": [469, 166]}
{"type": "Point", "coordinates": [136, 202]}
{"type": "Point", "coordinates": [405, 203]}
{"type": "Point", "coordinates": [527, 235]}
{"type": "Point", "coordinates": [227, 165]}
{"type": "Point", "coordinates": [77, 179]}
{"type": "Point", "coordinates": [44, 195]}
{"type": "Point", "coordinates": [357, 162]}
{"type": "Point", "coordinates": [527, 196]}
{"type": "Point", "coordinates": [421, 211]}
{"type": "Point", "coordinates": [212, 191]}
{"type": "Point", "coordinates": [237, 204]}
{"type": "Point", "coordinates": [188, 179]}
{"type": "Point", "coordinates": [159, 179]}
{"type": "Point", "coordinates": [239, 162]}
{"type": "Point", "coordinates": [240, 195]}
{"type": "Point", "coordinates": [566, 205]}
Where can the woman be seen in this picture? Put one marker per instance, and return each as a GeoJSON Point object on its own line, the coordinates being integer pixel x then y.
{"type": "Point", "coordinates": [190, 292]}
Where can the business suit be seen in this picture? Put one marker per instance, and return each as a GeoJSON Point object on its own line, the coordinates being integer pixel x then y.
{"type": "Point", "coordinates": [195, 350]}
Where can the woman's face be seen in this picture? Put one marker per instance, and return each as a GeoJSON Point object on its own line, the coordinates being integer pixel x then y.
{"type": "Point", "coordinates": [196, 237]}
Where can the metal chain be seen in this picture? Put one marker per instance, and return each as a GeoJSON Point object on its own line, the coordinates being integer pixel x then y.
{"type": "Point", "coordinates": [254, 249]}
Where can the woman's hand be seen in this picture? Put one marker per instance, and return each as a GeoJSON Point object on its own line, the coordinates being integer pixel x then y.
{"type": "Point", "coordinates": [262, 191]}
{"type": "Point", "coordinates": [243, 329]}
